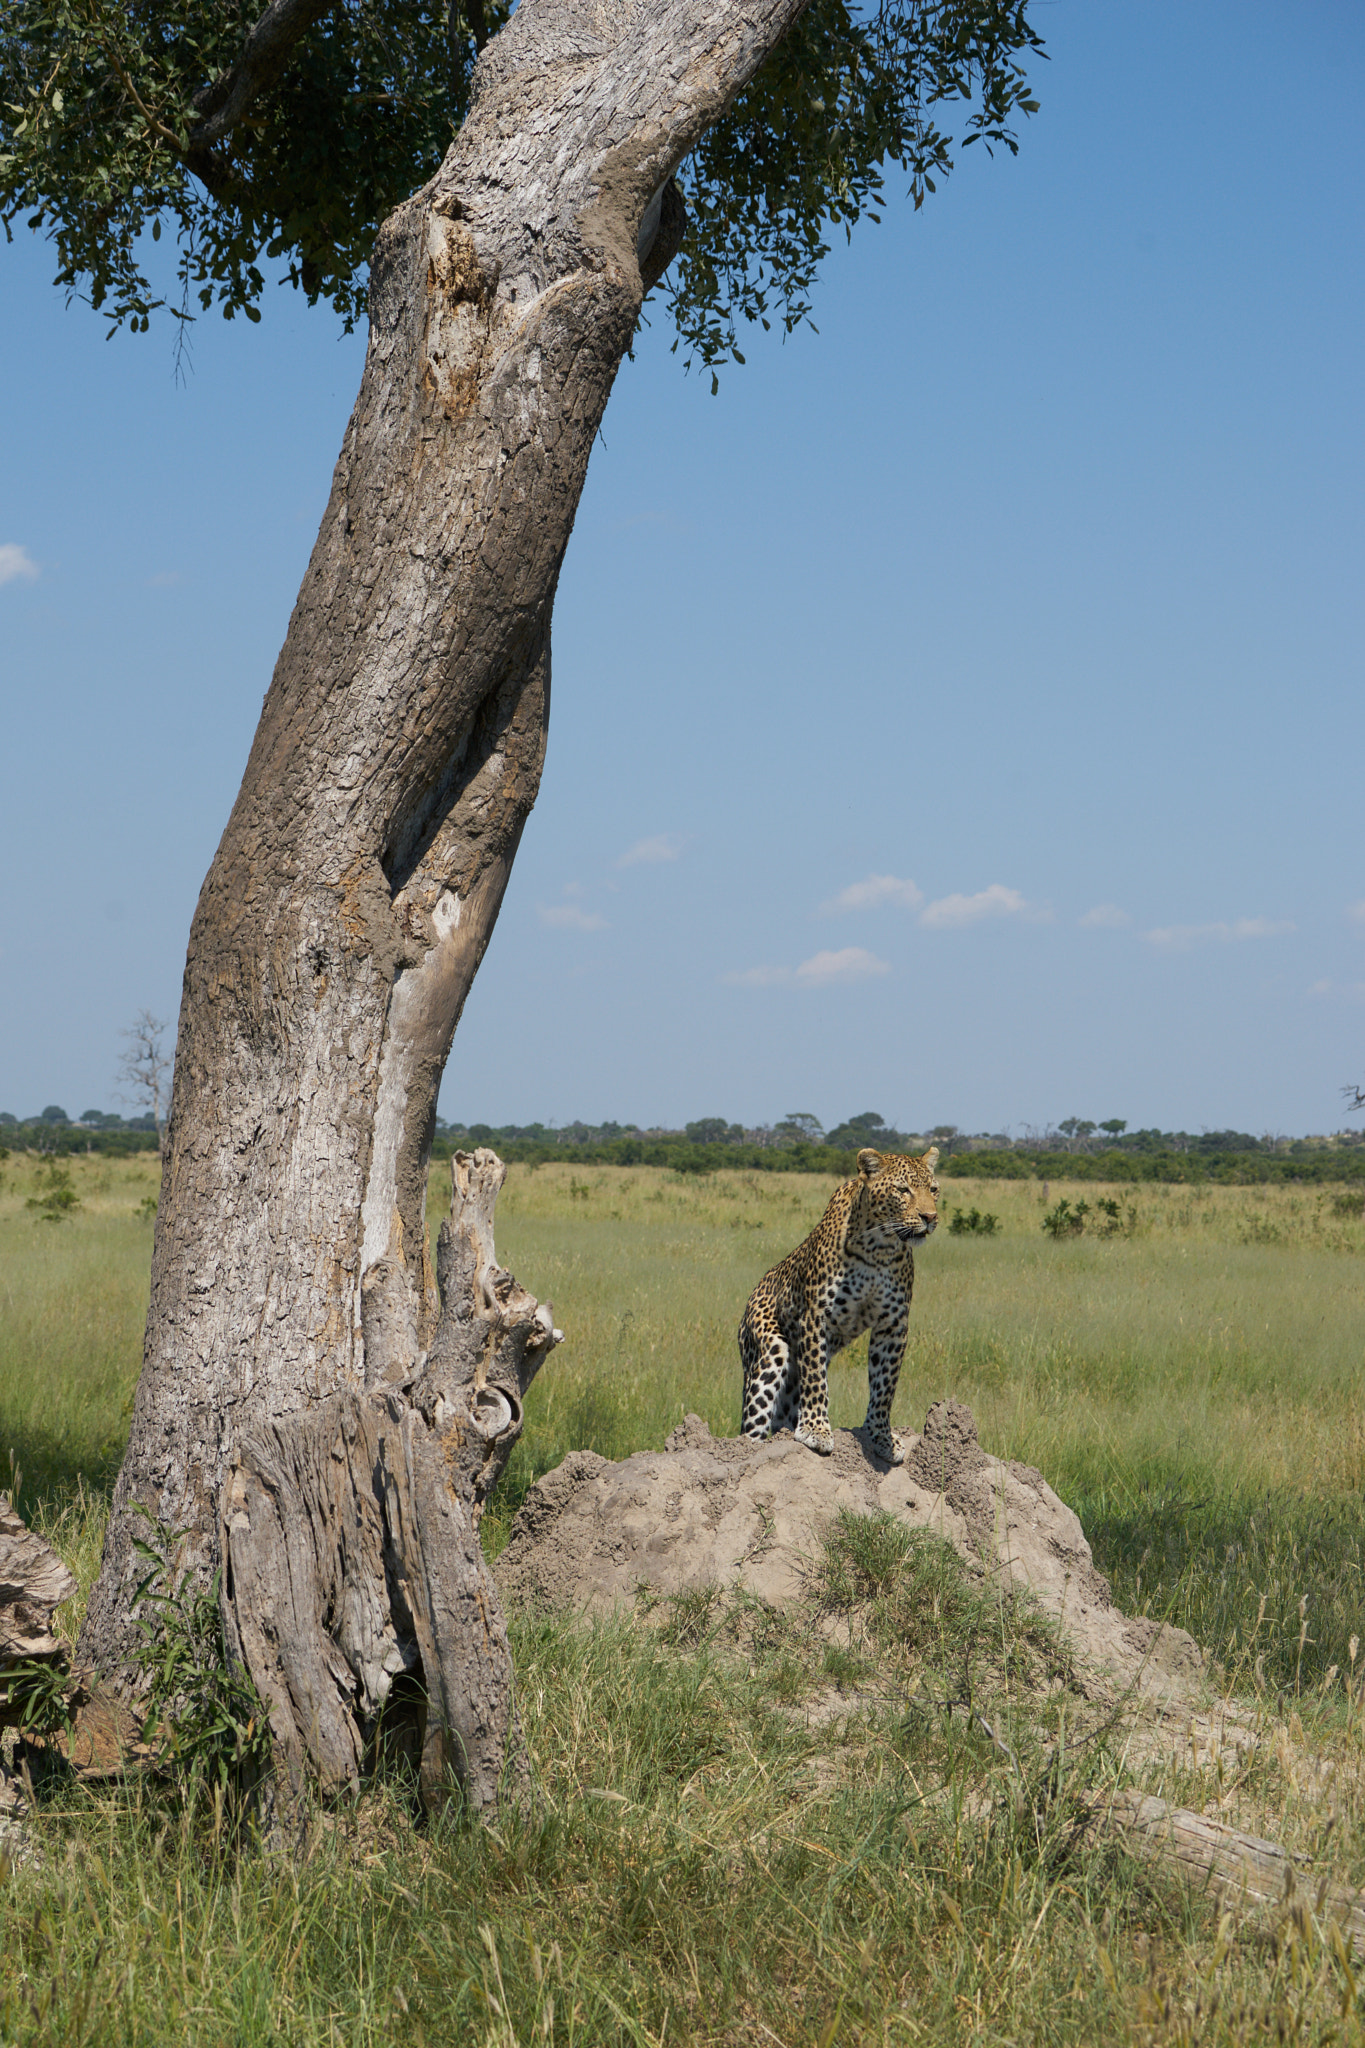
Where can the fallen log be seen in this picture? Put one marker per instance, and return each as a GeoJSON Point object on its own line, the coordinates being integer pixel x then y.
{"type": "Point", "coordinates": [1245, 1874]}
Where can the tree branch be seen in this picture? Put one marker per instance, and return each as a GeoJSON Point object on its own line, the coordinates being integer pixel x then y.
{"type": "Point", "coordinates": [156, 127]}
{"type": "Point", "coordinates": [265, 53]}
{"type": "Point", "coordinates": [472, 14]}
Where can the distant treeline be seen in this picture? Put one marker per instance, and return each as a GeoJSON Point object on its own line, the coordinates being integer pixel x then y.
{"type": "Point", "coordinates": [1074, 1151]}
{"type": "Point", "coordinates": [55, 1131]}
{"type": "Point", "coordinates": [1300, 1161]}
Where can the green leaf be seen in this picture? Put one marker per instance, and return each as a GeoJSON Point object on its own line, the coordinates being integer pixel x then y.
{"type": "Point", "coordinates": [376, 87]}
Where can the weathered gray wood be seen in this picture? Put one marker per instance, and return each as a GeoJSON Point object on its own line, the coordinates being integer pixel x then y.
{"type": "Point", "coordinates": [398, 754]}
{"type": "Point", "coordinates": [352, 1539]}
{"type": "Point", "coordinates": [1245, 1873]}
{"type": "Point", "coordinates": [33, 1584]}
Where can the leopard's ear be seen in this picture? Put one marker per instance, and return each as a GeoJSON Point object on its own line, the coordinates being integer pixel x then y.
{"type": "Point", "coordinates": [869, 1162]}
{"type": "Point", "coordinates": [931, 1158]}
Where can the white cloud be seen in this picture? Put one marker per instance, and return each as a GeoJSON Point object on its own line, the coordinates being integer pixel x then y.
{"type": "Point", "coordinates": [16, 561]}
{"type": "Point", "coordinates": [947, 912]}
{"type": "Point", "coordinates": [1356, 912]}
{"type": "Point", "coordinates": [1348, 991]}
{"type": "Point", "coordinates": [997, 901]}
{"type": "Point", "coordinates": [875, 890]}
{"type": "Point", "coordinates": [1105, 917]}
{"type": "Point", "coordinates": [165, 579]}
{"type": "Point", "coordinates": [851, 963]}
{"type": "Point", "coordinates": [758, 977]}
{"type": "Point", "coordinates": [649, 852]}
{"type": "Point", "coordinates": [571, 917]}
{"type": "Point", "coordinates": [1180, 938]}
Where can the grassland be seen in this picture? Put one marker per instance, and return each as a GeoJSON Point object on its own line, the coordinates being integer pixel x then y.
{"type": "Point", "coordinates": [712, 1860]}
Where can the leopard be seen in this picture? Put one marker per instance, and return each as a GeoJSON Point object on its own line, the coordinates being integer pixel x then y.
{"type": "Point", "coordinates": [855, 1272]}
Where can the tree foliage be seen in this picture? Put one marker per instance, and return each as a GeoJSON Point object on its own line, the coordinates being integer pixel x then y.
{"type": "Point", "coordinates": [807, 149]}
{"type": "Point", "coordinates": [290, 135]}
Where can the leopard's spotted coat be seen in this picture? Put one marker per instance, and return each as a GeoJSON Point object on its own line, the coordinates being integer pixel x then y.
{"type": "Point", "coordinates": [855, 1272]}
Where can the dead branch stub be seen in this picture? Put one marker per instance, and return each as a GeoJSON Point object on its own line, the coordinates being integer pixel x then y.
{"type": "Point", "coordinates": [355, 1577]}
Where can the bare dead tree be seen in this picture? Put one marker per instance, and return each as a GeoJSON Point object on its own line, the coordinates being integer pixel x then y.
{"type": "Point", "coordinates": [145, 1069]}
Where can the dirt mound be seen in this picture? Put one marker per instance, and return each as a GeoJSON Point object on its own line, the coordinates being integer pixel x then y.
{"type": "Point", "coordinates": [749, 1516]}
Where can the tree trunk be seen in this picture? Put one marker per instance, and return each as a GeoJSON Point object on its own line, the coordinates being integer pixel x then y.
{"type": "Point", "coordinates": [399, 752]}
{"type": "Point", "coordinates": [352, 1544]}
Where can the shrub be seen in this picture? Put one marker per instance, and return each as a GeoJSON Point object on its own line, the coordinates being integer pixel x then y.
{"type": "Point", "coordinates": [201, 1711]}
{"type": "Point", "coordinates": [1066, 1221]}
{"type": "Point", "coordinates": [57, 1198]}
{"type": "Point", "coordinates": [972, 1222]}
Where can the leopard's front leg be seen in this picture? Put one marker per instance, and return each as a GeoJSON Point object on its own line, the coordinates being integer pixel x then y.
{"type": "Point", "coordinates": [812, 1428]}
{"type": "Point", "coordinates": [885, 1351]}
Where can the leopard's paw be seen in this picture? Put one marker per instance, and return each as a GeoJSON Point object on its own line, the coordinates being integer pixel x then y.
{"type": "Point", "coordinates": [821, 1440]}
{"type": "Point", "coordinates": [884, 1445]}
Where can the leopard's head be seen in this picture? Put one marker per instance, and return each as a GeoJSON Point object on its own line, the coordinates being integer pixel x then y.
{"type": "Point", "coordinates": [895, 1202]}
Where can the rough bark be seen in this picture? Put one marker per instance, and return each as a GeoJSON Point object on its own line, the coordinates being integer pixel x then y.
{"type": "Point", "coordinates": [399, 750]}
{"type": "Point", "coordinates": [33, 1584]}
{"type": "Point", "coordinates": [352, 1545]}
{"type": "Point", "coordinates": [1246, 1874]}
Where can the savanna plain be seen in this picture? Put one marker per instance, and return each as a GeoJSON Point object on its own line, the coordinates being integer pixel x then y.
{"type": "Point", "coordinates": [756, 1827]}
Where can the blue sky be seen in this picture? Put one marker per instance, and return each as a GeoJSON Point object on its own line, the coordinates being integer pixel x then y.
{"type": "Point", "coordinates": [960, 716]}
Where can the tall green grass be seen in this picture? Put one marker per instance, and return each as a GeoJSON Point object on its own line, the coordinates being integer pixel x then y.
{"type": "Point", "coordinates": [705, 1860]}
{"type": "Point", "coordinates": [1190, 1383]}
{"type": "Point", "coordinates": [73, 1301]}
{"type": "Point", "coordinates": [722, 1850]}
{"type": "Point", "coordinates": [1218, 1336]}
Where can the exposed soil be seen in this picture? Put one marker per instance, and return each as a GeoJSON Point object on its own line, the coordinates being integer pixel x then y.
{"type": "Point", "coordinates": [723, 1511]}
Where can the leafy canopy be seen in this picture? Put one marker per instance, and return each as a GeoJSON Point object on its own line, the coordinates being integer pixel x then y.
{"type": "Point", "coordinates": [291, 134]}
